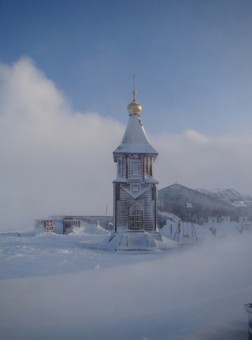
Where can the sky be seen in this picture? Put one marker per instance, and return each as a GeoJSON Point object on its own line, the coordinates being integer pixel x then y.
{"type": "Point", "coordinates": [66, 72]}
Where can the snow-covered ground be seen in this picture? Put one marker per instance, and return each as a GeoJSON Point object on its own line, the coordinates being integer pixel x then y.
{"type": "Point", "coordinates": [65, 287]}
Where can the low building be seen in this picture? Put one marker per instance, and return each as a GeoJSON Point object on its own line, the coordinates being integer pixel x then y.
{"type": "Point", "coordinates": [50, 225]}
{"type": "Point", "coordinates": [192, 205]}
{"type": "Point", "coordinates": [65, 224]}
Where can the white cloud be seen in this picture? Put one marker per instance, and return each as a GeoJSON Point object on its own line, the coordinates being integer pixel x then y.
{"type": "Point", "coordinates": [55, 161]}
{"type": "Point", "coordinates": [194, 136]}
{"type": "Point", "coordinates": [52, 160]}
{"type": "Point", "coordinates": [209, 162]}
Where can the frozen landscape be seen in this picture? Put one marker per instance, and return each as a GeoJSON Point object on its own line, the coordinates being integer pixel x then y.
{"type": "Point", "coordinates": [74, 147]}
{"type": "Point", "coordinates": [66, 287]}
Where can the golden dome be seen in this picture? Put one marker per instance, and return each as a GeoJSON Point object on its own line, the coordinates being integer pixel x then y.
{"type": "Point", "coordinates": [134, 108]}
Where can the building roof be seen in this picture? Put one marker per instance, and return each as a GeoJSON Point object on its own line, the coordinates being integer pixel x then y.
{"type": "Point", "coordinates": [135, 139]}
{"type": "Point", "coordinates": [182, 194]}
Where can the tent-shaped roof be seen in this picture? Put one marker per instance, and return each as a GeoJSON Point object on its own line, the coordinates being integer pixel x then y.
{"type": "Point", "coordinates": [135, 139]}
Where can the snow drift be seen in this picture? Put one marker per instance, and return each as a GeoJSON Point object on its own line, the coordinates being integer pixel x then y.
{"type": "Point", "coordinates": [57, 286]}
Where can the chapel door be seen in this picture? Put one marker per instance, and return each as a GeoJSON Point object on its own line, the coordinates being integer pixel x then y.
{"type": "Point", "coordinates": [135, 217]}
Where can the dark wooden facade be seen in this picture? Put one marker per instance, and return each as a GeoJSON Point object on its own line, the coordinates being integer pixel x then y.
{"type": "Point", "coordinates": [135, 189]}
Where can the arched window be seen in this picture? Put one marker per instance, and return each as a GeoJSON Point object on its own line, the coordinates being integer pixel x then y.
{"type": "Point", "coordinates": [135, 217]}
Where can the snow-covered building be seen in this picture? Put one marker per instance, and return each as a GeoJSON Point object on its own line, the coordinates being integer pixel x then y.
{"type": "Point", "coordinates": [52, 225]}
{"type": "Point", "coordinates": [135, 189]}
{"type": "Point", "coordinates": [193, 205]}
{"type": "Point", "coordinates": [65, 224]}
{"type": "Point", "coordinates": [242, 203]}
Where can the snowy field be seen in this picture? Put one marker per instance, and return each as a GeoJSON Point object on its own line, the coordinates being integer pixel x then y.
{"type": "Point", "coordinates": [64, 287]}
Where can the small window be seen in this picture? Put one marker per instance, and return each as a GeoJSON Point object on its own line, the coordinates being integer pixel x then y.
{"type": "Point", "coordinates": [135, 188]}
{"type": "Point", "coordinates": [117, 191]}
{"type": "Point", "coordinates": [121, 167]}
{"type": "Point", "coordinates": [135, 168]}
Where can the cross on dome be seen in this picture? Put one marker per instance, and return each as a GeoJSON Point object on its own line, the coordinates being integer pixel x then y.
{"type": "Point", "coordinates": [134, 108]}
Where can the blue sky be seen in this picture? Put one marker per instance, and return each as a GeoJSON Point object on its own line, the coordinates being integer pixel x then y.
{"type": "Point", "coordinates": [192, 59]}
{"type": "Point", "coordinates": [66, 70]}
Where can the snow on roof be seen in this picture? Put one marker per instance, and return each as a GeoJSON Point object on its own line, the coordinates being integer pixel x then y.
{"type": "Point", "coordinates": [229, 194]}
{"type": "Point", "coordinates": [135, 139]}
{"type": "Point", "coordinates": [239, 204]}
{"type": "Point", "coordinates": [150, 179]}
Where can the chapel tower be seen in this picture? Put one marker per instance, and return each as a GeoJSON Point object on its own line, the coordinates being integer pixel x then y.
{"type": "Point", "coordinates": [135, 189]}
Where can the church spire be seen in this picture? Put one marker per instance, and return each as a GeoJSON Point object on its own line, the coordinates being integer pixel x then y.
{"type": "Point", "coordinates": [134, 88]}
{"type": "Point", "coordinates": [134, 108]}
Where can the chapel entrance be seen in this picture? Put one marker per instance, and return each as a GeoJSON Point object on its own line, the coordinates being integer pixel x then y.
{"type": "Point", "coordinates": [135, 217]}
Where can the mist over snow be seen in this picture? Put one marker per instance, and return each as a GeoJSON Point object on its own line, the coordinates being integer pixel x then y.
{"type": "Point", "coordinates": [56, 161]}
{"type": "Point", "coordinates": [57, 286]}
